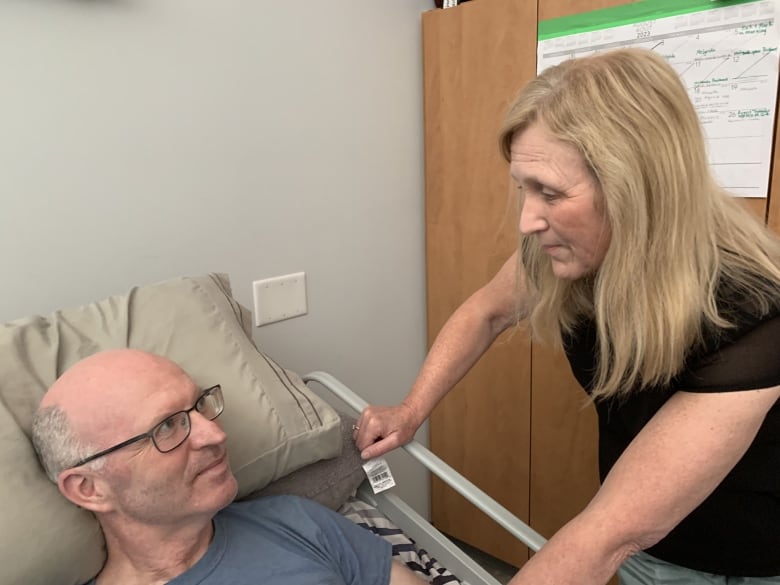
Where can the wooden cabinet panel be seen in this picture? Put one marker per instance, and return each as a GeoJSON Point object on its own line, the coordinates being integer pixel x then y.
{"type": "Point", "coordinates": [756, 205]}
{"type": "Point", "coordinates": [564, 435]}
{"type": "Point", "coordinates": [474, 64]}
{"type": "Point", "coordinates": [564, 432]}
{"type": "Point", "coordinates": [482, 429]}
{"type": "Point", "coordinates": [773, 213]}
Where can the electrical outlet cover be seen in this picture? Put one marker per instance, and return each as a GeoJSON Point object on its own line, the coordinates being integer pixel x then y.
{"type": "Point", "coordinates": [279, 298]}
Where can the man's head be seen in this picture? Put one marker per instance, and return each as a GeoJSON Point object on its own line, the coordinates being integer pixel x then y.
{"type": "Point", "coordinates": [113, 396]}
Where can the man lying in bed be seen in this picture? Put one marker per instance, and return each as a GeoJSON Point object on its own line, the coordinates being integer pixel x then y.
{"type": "Point", "coordinates": [163, 497]}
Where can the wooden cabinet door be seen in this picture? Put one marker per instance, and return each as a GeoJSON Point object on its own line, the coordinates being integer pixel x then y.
{"type": "Point", "coordinates": [476, 57]}
{"type": "Point", "coordinates": [564, 431]}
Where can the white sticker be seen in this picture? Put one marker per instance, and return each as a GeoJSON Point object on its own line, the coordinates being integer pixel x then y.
{"type": "Point", "coordinates": [378, 472]}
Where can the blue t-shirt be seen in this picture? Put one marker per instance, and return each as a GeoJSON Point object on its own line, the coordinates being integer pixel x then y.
{"type": "Point", "coordinates": [287, 540]}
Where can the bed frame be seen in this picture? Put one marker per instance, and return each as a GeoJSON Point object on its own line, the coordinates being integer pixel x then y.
{"type": "Point", "coordinates": [417, 527]}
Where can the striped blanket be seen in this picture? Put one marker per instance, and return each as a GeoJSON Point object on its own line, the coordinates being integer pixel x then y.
{"type": "Point", "coordinates": [404, 548]}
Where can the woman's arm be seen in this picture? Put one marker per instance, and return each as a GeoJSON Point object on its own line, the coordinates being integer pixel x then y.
{"type": "Point", "coordinates": [466, 335]}
{"type": "Point", "coordinates": [675, 462]}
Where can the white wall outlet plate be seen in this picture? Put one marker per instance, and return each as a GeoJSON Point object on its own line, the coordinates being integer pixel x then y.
{"type": "Point", "coordinates": [279, 298]}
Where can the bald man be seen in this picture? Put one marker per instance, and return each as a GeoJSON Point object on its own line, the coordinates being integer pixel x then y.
{"type": "Point", "coordinates": [129, 436]}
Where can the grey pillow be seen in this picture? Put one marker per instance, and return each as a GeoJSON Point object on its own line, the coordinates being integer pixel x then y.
{"type": "Point", "coordinates": [330, 481]}
{"type": "Point", "coordinates": [275, 424]}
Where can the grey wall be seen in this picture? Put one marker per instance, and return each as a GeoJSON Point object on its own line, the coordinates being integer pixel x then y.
{"type": "Point", "coordinates": [146, 139]}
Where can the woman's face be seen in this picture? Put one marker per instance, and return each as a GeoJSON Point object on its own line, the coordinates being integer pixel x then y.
{"type": "Point", "coordinates": [559, 202]}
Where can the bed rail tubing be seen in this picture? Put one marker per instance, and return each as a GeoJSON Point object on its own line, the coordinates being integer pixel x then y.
{"type": "Point", "coordinates": [437, 466]}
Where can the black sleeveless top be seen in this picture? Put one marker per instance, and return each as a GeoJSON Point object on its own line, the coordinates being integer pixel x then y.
{"type": "Point", "coordinates": [736, 530]}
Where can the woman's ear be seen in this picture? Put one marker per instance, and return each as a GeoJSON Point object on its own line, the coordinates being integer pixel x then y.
{"type": "Point", "coordinates": [83, 488]}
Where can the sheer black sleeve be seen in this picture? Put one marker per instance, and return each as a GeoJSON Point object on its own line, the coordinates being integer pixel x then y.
{"type": "Point", "coordinates": [743, 360]}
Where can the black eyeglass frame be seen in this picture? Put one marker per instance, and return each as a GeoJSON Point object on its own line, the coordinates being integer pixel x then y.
{"type": "Point", "coordinates": [150, 433]}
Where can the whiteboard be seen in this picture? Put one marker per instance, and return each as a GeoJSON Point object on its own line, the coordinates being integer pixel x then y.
{"type": "Point", "coordinates": [727, 57]}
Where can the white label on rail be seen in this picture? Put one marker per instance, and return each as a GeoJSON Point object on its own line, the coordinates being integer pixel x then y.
{"type": "Point", "coordinates": [378, 472]}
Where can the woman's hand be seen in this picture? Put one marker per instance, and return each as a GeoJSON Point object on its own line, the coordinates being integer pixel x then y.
{"type": "Point", "coordinates": [383, 428]}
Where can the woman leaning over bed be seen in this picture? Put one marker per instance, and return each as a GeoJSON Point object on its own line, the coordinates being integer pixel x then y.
{"type": "Point", "coordinates": [665, 295]}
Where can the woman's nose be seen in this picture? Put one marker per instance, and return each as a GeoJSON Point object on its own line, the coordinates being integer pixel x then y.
{"type": "Point", "coordinates": [532, 216]}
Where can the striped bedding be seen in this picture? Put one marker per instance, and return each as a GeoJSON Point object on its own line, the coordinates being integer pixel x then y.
{"type": "Point", "coordinates": [404, 548]}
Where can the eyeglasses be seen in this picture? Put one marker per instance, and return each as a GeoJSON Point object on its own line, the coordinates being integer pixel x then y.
{"type": "Point", "coordinates": [174, 430]}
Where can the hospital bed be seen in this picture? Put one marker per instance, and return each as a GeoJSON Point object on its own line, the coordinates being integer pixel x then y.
{"type": "Point", "coordinates": [283, 437]}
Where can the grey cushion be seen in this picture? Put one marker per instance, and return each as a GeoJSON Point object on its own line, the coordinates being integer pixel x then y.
{"type": "Point", "coordinates": [331, 481]}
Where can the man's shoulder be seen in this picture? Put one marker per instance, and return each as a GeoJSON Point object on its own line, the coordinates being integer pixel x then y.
{"type": "Point", "coordinates": [283, 506]}
{"type": "Point", "coordinates": [279, 516]}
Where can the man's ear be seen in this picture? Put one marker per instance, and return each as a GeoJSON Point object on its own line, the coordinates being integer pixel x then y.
{"type": "Point", "coordinates": [84, 488]}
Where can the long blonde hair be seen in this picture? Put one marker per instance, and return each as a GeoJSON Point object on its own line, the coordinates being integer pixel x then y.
{"type": "Point", "coordinates": [676, 234]}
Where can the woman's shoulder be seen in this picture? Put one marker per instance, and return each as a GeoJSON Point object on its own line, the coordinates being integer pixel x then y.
{"type": "Point", "coordinates": [742, 356]}
{"type": "Point", "coordinates": [745, 305]}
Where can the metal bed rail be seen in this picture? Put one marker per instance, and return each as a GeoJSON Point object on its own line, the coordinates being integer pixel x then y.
{"type": "Point", "coordinates": [438, 467]}
{"type": "Point", "coordinates": [428, 537]}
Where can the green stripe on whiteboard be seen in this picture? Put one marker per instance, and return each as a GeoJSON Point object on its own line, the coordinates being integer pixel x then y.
{"type": "Point", "coordinates": [626, 14]}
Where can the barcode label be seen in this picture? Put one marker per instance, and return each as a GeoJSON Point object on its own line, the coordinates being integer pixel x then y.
{"type": "Point", "coordinates": [379, 475]}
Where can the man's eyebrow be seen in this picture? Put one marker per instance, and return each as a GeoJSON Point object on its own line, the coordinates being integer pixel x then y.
{"type": "Point", "coordinates": [162, 417]}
